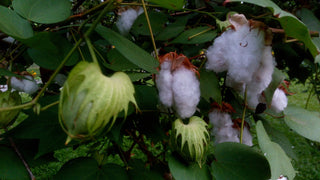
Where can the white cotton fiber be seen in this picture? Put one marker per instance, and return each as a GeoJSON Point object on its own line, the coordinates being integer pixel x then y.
{"type": "Point", "coordinates": [279, 101]}
{"type": "Point", "coordinates": [245, 53]}
{"type": "Point", "coordinates": [217, 54]}
{"type": "Point", "coordinates": [28, 85]}
{"type": "Point", "coordinates": [127, 19]}
{"type": "Point", "coordinates": [164, 84]}
{"type": "Point", "coordinates": [261, 78]}
{"type": "Point", "coordinates": [186, 92]}
{"type": "Point", "coordinates": [223, 130]}
{"type": "Point", "coordinates": [246, 138]}
{"type": "Point", "coordinates": [222, 127]}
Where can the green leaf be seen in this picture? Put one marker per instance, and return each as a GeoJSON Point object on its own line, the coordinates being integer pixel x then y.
{"type": "Point", "coordinates": [45, 127]}
{"type": "Point", "coordinates": [157, 21]}
{"type": "Point", "coordinates": [182, 171]}
{"type": "Point", "coordinates": [136, 76]}
{"type": "Point", "coordinates": [280, 138]}
{"type": "Point", "coordinates": [88, 169]}
{"type": "Point", "coordinates": [11, 167]}
{"type": "Point", "coordinates": [174, 29]}
{"type": "Point", "coordinates": [49, 49]}
{"type": "Point", "coordinates": [292, 25]}
{"type": "Point", "coordinates": [195, 36]}
{"type": "Point", "coordinates": [43, 11]}
{"type": "Point", "coordinates": [147, 97]}
{"type": "Point", "coordinates": [129, 50]}
{"type": "Point", "coordinates": [5, 72]}
{"type": "Point", "coordinates": [277, 79]}
{"type": "Point", "coordinates": [209, 86]}
{"type": "Point", "coordinates": [170, 4]}
{"type": "Point", "coordinates": [308, 18]}
{"type": "Point", "coordinates": [236, 161]}
{"type": "Point", "coordinates": [280, 163]}
{"type": "Point", "coordinates": [304, 122]}
{"type": "Point", "coordinates": [13, 25]}
{"type": "Point", "coordinates": [138, 171]}
{"type": "Point", "coordinates": [118, 62]}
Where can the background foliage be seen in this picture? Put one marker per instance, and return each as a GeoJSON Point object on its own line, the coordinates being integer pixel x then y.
{"type": "Point", "coordinates": [48, 39]}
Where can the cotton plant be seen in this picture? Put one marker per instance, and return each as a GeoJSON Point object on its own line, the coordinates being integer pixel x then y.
{"type": "Point", "coordinates": [245, 52]}
{"type": "Point", "coordinates": [224, 128]}
{"type": "Point", "coordinates": [128, 15]}
{"type": "Point", "coordinates": [178, 84]}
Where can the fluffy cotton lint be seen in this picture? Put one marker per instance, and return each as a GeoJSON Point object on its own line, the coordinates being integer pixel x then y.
{"type": "Point", "coordinates": [246, 138]}
{"type": "Point", "coordinates": [217, 54]}
{"type": "Point", "coordinates": [261, 78]}
{"type": "Point", "coordinates": [279, 101]}
{"type": "Point", "coordinates": [245, 53]}
{"type": "Point", "coordinates": [164, 84]}
{"type": "Point", "coordinates": [186, 92]}
{"type": "Point", "coordinates": [127, 19]}
{"type": "Point", "coordinates": [222, 127]}
{"type": "Point", "coordinates": [28, 85]}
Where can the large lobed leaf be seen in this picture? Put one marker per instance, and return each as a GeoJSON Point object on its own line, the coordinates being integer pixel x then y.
{"type": "Point", "coordinates": [13, 25]}
{"type": "Point", "coordinates": [43, 11]}
{"type": "Point", "coordinates": [209, 86]}
{"type": "Point", "coordinates": [304, 122]}
{"type": "Point", "coordinates": [236, 161]}
{"type": "Point", "coordinates": [280, 163]}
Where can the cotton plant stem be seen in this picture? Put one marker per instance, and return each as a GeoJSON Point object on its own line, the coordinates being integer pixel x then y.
{"type": "Point", "coordinates": [87, 33]}
{"type": "Point", "coordinates": [150, 29]}
{"type": "Point", "coordinates": [49, 106]}
{"type": "Point", "coordinates": [20, 157]}
{"type": "Point", "coordinates": [91, 50]}
{"type": "Point", "coordinates": [243, 114]}
{"type": "Point", "coordinates": [198, 34]}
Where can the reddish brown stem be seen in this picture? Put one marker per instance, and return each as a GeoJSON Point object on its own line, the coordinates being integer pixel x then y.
{"type": "Point", "coordinates": [281, 31]}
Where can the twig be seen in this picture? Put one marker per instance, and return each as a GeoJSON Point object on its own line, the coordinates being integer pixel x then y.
{"type": "Point", "coordinates": [281, 31]}
{"type": "Point", "coordinates": [21, 158]}
{"type": "Point", "coordinates": [150, 29]}
{"type": "Point", "coordinates": [49, 106]}
{"type": "Point", "coordinates": [187, 12]}
{"type": "Point", "coordinates": [243, 114]}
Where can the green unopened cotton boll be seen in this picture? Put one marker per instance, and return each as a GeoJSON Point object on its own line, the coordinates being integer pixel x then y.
{"type": "Point", "coordinates": [8, 99]}
{"type": "Point", "coordinates": [190, 140]}
{"type": "Point", "coordinates": [90, 101]}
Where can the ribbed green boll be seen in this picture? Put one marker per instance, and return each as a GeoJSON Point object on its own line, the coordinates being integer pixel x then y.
{"type": "Point", "coordinates": [190, 140]}
{"type": "Point", "coordinates": [8, 99]}
{"type": "Point", "coordinates": [90, 101]}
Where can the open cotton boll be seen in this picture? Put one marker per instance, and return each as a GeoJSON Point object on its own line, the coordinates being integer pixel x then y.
{"type": "Point", "coordinates": [261, 78]}
{"type": "Point", "coordinates": [164, 84]}
{"type": "Point", "coordinates": [28, 85]}
{"type": "Point", "coordinates": [186, 92]}
{"type": "Point", "coordinates": [126, 20]}
{"type": "Point", "coordinates": [222, 127]}
{"type": "Point", "coordinates": [245, 53]}
{"type": "Point", "coordinates": [217, 54]}
{"type": "Point", "coordinates": [279, 101]}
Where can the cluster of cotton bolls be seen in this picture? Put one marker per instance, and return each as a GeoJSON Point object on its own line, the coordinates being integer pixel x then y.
{"type": "Point", "coordinates": [127, 18]}
{"type": "Point", "coordinates": [178, 84]}
{"type": "Point", "coordinates": [224, 129]}
{"type": "Point", "coordinates": [245, 52]}
{"type": "Point", "coordinates": [27, 85]}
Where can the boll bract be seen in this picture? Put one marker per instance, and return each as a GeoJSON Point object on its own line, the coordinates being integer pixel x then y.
{"type": "Point", "coordinates": [8, 99]}
{"type": "Point", "coordinates": [90, 101]}
{"type": "Point", "coordinates": [245, 52]}
{"type": "Point", "coordinates": [190, 140]}
{"type": "Point", "coordinates": [178, 84]}
{"type": "Point", "coordinates": [127, 18]}
{"type": "Point", "coordinates": [27, 85]}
